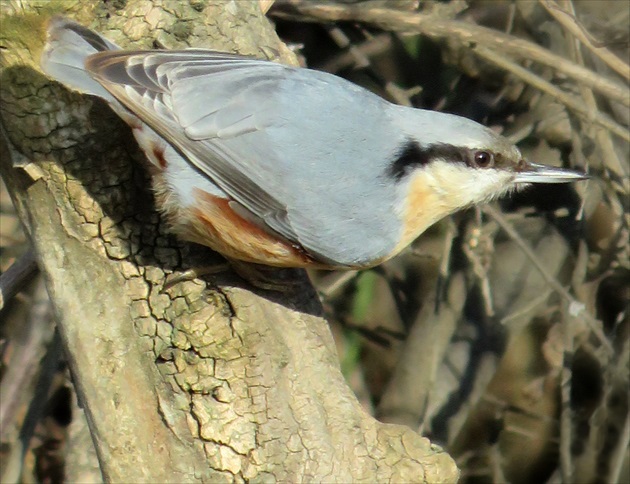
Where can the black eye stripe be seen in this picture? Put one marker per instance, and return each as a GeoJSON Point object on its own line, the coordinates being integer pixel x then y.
{"type": "Point", "coordinates": [413, 155]}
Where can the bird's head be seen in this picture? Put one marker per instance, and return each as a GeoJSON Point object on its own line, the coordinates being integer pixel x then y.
{"type": "Point", "coordinates": [446, 163]}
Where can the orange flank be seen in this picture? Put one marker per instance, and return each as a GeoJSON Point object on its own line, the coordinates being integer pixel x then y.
{"type": "Point", "coordinates": [217, 225]}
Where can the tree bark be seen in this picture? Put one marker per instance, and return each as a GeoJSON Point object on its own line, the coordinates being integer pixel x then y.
{"type": "Point", "coordinates": [204, 380]}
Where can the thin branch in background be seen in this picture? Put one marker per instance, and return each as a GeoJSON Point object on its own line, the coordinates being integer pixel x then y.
{"type": "Point", "coordinates": [49, 366]}
{"type": "Point", "coordinates": [33, 335]}
{"type": "Point", "coordinates": [576, 308]}
{"type": "Point", "coordinates": [445, 262]}
{"type": "Point", "coordinates": [568, 20]}
{"type": "Point", "coordinates": [360, 59]}
{"type": "Point", "coordinates": [16, 276]}
{"type": "Point", "coordinates": [531, 307]}
{"type": "Point", "coordinates": [408, 393]}
{"type": "Point", "coordinates": [359, 56]}
{"type": "Point", "coordinates": [352, 57]}
{"type": "Point", "coordinates": [332, 283]}
{"type": "Point", "coordinates": [571, 102]}
{"type": "Point", "coordinates": [567, 467]}
{"type": "Point", "coordinates": [463, 32]}
{"type": "Point", "coordinates": [566, 413]}
{"type": "Point", "coordinates": [33, 340]}
{"type": "Point", "coordinates": [609, 154]}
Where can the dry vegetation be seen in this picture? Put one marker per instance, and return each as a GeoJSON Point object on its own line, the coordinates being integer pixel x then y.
{"type": "Point", "coordinates": [502, 334]}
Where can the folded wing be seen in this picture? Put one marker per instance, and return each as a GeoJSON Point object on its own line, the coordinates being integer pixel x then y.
{"type": "Point", "coordinates": [290, 146]}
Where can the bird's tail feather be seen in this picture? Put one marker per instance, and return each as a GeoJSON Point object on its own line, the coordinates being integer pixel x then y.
{"type": "Point", "coordinates": [68, 46]}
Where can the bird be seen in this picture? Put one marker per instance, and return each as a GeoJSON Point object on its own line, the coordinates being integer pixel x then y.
{"type": "Point", "coordinates": [286, 166]}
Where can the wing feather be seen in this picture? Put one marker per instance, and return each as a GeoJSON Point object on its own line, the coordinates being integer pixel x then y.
{"type": "Point", "coordinates": [279, 140]}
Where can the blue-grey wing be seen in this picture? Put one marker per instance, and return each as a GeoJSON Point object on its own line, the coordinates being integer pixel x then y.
{"type": "Point", "coordinates": [304, 152]}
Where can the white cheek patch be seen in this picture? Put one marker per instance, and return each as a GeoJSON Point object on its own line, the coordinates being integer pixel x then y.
{"type": "Point", "coordinates": [459, 186]}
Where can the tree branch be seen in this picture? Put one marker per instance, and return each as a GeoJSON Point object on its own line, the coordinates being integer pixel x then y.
{"type": "Point", "coordinates": [204, 380]}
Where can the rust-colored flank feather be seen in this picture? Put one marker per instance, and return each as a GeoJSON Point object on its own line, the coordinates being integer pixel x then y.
{"type": "Point", "coordinates": [236, 237]}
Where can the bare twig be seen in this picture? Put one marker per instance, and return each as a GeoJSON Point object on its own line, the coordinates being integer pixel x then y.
{"type": "Point", "coordinates": [529, 308]}
{"type": "Point", "coordinates": [49, 366]}
{"type": "Point", "coordinates": [359, 57]}
{"type": "Point", "coordinates": [571, 24]}
{"type": "Point", "coordinates": [465, 33]}
{"type": "Point", "coordinates": [573, 103]}
{"type": "Point", "coordinates": [566, 413]}
{"type": "Point", "coordinates": [407, 397]}
{"type": "Point", "coordinates": [609, 155]}
{"type": "Point", "coordinates": [16, 276]}
{"type": "Point", "coordinates": [576, 308]}
{"type": "Point", "coordinates": [33, 335]}
{"type": "Point", "coordinates": [332, 283]}
{"type": "Point", "coordinates": [351, 57]}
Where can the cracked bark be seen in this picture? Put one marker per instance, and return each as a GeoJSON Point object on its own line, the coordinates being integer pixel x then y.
{"type": "Point", "coordinates": [200, 381]}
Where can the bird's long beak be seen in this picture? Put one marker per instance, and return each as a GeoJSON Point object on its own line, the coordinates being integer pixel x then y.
{"type": "Point", "coordinates": [533, 173]}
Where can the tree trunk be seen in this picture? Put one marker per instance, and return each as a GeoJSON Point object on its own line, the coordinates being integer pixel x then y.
{"type": "Point", "coordinates": [203, 380]}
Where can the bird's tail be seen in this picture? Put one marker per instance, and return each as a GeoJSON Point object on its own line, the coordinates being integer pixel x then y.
{"type": "Point", "coordinates": [67, 47]}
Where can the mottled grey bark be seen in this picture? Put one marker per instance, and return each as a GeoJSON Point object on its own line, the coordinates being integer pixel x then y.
{"type": "Point", "coordinates": [199, 381]}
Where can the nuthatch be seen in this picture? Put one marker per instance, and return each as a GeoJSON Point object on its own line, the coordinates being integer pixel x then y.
{"type": "Point", "coordinates": [286, 166]}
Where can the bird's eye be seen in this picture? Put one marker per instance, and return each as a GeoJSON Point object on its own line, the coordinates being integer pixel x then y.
{"type": "Point", "coordinates": [483, 159]}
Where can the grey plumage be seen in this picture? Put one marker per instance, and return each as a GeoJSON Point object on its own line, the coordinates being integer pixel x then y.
{"type": "Point", "coordinates": [254, 128]}
{"type": "Point", "coordinates": [308, 157]}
